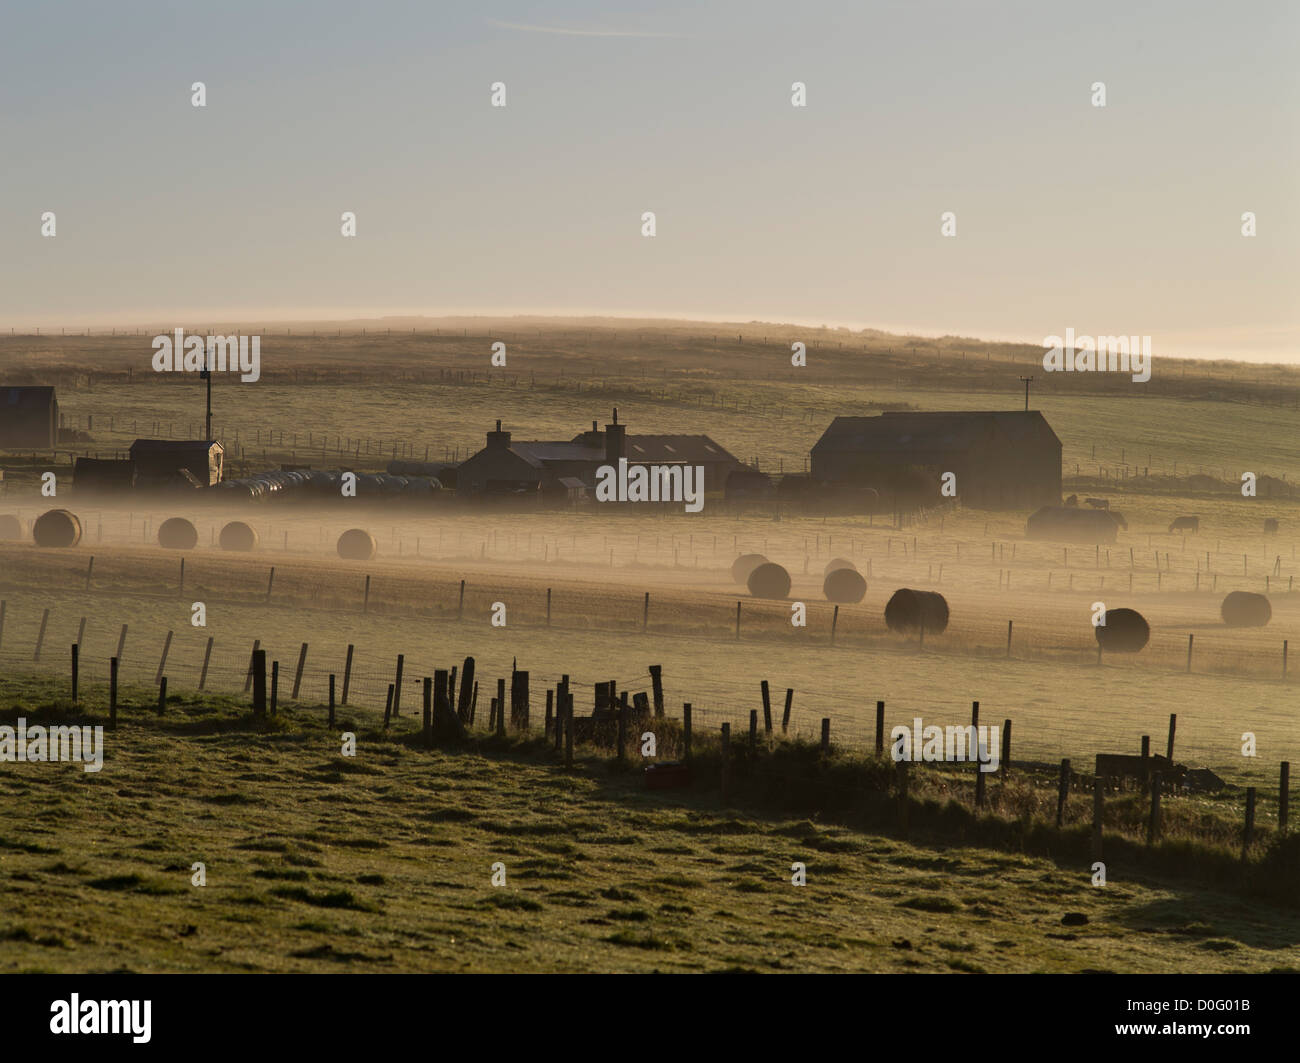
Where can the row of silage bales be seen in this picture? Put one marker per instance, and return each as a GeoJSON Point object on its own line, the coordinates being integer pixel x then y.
{"type": "Point", "coordinates": [357, 544]}
{"type": "Point", "coordinates": [911, 610]}
{"type": "Point", "coordinates": [311, 484]}
{"type": "Point", "coordinates": [842, 582]}
{"type": "Point", "coordinates": [1124, 631]}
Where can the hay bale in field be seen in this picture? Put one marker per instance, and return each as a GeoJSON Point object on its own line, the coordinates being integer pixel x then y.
{"type": "Point", "coordinates": [838, 562]}
{"type": "Point", "coordinates": [177, 533]}
{"type": "Point", "coordinates": [237, 536]}
{"type": "Point", "coordinates": [1246, 609]}
{"type": "Point", "coordinates": [1071, 525]}
{"type": "Point", "coordinates": [844, 585]}
{"type": "Point", "coordinates": [744, 565]}
{"type": "Point", "coordinates": [57, 527]}
{"type": "Point", "coordinates": [910, 610]}
{"type": "Point", "coordinates": [10, 527]}
{"type": "Point", "coordinates": [769, 580]}
{"type": "Point", "coordinates": [357, 545]}
{"type": "Point", "coordinates": [1125, 631]}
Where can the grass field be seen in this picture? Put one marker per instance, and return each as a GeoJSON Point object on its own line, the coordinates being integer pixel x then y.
{"type": "Point", "coordinates": [383, 861]}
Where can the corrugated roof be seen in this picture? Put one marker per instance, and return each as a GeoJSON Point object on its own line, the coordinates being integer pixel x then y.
{"type": "Point", "coordinates": [27, 397]}
{"type": "Point", "coordinates": [939, 430]}
{"type": "Point", "coordinates": [680, 448]}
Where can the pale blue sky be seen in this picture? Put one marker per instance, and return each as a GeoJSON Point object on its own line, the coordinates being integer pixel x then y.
{"type": "Point", "coordinates": [1122, 220]}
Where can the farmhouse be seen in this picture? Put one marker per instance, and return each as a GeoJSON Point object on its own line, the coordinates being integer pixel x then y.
{"type": "Point", "coordinates": [1001, 460]}
{"type": "Point", "coordinates": [29, 417]}
{"type": "Point", "coordinates": [177, 462]}
{"type": "Point", "coordinates": [567, 470]}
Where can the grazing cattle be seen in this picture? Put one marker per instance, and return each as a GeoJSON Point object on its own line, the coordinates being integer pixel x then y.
{"type": "Point", "coordinates": [1192, 524]}
{"type": "Point", "coordinates": [1120, 767]}
{"type": "Point", "coordinates": [1125, 631]}
{"type": "Point", "coordinates": [1098, 503]}
{"type": "Point", "coordinates": [1270, 525]}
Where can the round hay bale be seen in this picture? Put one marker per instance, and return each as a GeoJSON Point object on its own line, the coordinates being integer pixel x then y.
{"type": "Point", "coordinates": [910, 610]}
{"type": "Point", "coordinates": [57, 527]}
{"type": "Point", "coordinates": [177, 533]}
{"type": "Point", "coordinates": [1125, 631]}
{"type": "Point", "coordinates": [237, 536]}
{"type": "Point", "coordinates": [10, 526]}
{"type": "Point", "coordinates": [357, 545]}
{"type": "Point", "coordinates": [769, 580]}
{"type": "Point", "coordinates": [844, 585]}
{"type": "Point", "coordinates": [838, 562]}
{"type": "Point", "coordinates": [744, 565]}
{"type": "Point", "coordinates": [1246, 609]}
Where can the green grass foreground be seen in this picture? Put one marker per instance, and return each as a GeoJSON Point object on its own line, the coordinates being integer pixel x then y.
{"type": "Point", "coordinates": [383, 861]}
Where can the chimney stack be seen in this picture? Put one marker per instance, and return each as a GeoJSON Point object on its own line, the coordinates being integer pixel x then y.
{"type": "Point", "coordinates": [615, 437]}
{"type": "Point", "coordinates": [498, 440]}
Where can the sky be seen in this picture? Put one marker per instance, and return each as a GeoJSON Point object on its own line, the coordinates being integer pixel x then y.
{"type": "Point", "coordinates": [1115, 220]}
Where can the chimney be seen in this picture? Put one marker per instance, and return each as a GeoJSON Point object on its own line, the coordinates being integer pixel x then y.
{"type": "Point", "coordinates": [498, 440]}
{"type": "Point", "coordinates": [614, 440]}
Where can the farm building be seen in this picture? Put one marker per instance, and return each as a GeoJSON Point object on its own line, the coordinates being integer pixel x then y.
{"type": "Point", "coordinates": [177, 462]}
{"type": "Point", "coordinates": [103, 474]}
{"type": "Point", "coordinates": [559, 469]}
{"type": "Point", "coordinates": [1002, 460]}
{"type": "Point", "coordinates": [29, 417]}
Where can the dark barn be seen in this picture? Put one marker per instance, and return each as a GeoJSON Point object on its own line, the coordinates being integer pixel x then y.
{"type": "Point", "coordinates": [29, 417]}
{"type": "Point", "coordinates": [1008, 460]}
{"type": "Point", "coordinates": [103, 474]}
{"type": "Point", "coordinates": [177, 462]}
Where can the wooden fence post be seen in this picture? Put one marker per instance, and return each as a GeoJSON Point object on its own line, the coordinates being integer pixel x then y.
{"type": "Point", "coordinates": [880, 728]}
{"type": "Point", "coordinates": [835, 620]}
{"type": "Point", "coordinates": [270, 582]}
{"type": "Point", "coordinates": [726, 762]}
{"type": "Point", "coordinates": [112, 694]}
{"type": "Point", "coordinates": [466, 691]}
{"type": "Point", "coordinates": [826, 735]}
{"type": "Point", "coordinates": [767, 707]}
{"type": "Point", "coordinates": [347, 675]}
{"type": "Point", "coordinates": [501, 706]}
{"type": "Point", "coordinates": [789, 704]}
{"type": "Point", "coordinates": [297, 675]}
{"type": "Point", "coordinates": [388, 706]}
{"type": "Point", "coordinates": [460, 608]}
{"type": "Point", "coordinates": [686, 730]}
{"type": "Point", "coordinates": [90, 568]}
{"type": "Point", "coordinates": [1006, 748]}
{"type": "Point", "coordinates": [162, 663]}
{"type": "Point", "coordinates": [365, 599]}
{"type": "Point", "coordinates": [162, 695]}
{"type": "Point", "coordinates": [397, 685]}
{"type": "Point", "coordinates": [1062, 792]}
{"type": "Point", "coordinates": [737, 620]}
{"type": "Point", "coordinates": [645, 613]}
{"type": "Point", "coordinates": [207, 656]}
{"type": "Point", "coordinates": [1009, 625]}
{"type": "Point", "coordinates": [1173, 726]}
{"type": "Point", "coordinates": [657, 688]}
{"type": "Point", "coordinates": [1189, 651]}
{"type": "Point", "coordinates": [75, 650]}
{"type": "Point", "coordinates": [258, 672]}
{"type": "Point", "coordinates": [275, 685]}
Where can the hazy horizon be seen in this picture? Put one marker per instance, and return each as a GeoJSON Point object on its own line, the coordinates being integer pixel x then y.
{"type": "Point", "coordinates": [1115, 220]}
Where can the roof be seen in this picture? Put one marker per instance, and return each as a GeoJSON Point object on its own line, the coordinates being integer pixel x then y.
{"type": "Point", "coordinates": [675, 448]}
{"type": "Point", "coordinates": [540, 451]}
{"type": "Point", "coordinates": [907, 431]}
{"type": "Point", "coordinates": [28, 397]}
{"type": "Point", "coordinates": [173, 445]}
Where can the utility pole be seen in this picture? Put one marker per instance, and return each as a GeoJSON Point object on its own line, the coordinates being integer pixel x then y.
{"type": "Point", "coordinates": [1027, 380]}
{"type": "Point", "coordinates": [206, 374]}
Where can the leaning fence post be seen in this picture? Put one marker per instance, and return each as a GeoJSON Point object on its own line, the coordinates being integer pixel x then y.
{"type": "Point", "coordinates": [397, 685]}
{"type": "Point", "coordinates": [460, 608]}
{"type": "Point", "coordinates": [75, 649]}
{"type": "Point", "coordinates": [835, 621]}
{"type": "Point", "coordinates": [347, 675]}
{"type": "Point", "coordinates": [1173, 725]}
{"type": "Point", "coordinates": [785, 715]}
{"type": "Point", "coordinates": [270, 582]}
{"type": "Point", "coordinates": [767, 707]}
{"type": "Point", "coordinates": [1189, 651]}
{"type": "Point", "coordinates": [112, 694]}
{"type": "Point", "coordinates": [297, 675]}
{"type": "Point", "coordinates": [207, 656]}
{"type": "Point", "coordinates": [162, 695]}
{"type": "Point", "coordinates": [40, 635]}
{"type": "Point", "coordinates": [162, 663]}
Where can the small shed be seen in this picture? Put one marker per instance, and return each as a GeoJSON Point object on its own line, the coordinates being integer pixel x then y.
{"type": "Point", "coordinates": [29, 417]}
{"type": "Point", "coordinates": [178, 462]}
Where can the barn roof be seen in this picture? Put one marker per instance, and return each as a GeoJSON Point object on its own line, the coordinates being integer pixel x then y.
{"type": "Point", "coordinates": [675, 448]}
{"type": "Point", "coordinates": [908, 431]}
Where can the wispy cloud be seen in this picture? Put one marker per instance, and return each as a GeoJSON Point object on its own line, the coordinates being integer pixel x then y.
{"type": "Point", "coordinates": [576, 33]}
